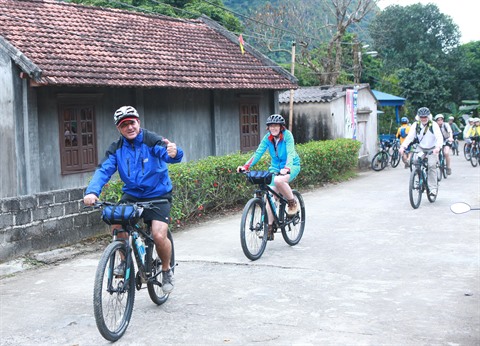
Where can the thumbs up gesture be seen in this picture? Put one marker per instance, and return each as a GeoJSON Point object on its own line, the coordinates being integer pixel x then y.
{"type": "Point", "coordinates": [171, 148]}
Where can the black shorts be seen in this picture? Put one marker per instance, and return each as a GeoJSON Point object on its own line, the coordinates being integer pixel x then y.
{"type": "Point", "coordinates": [161, 212]}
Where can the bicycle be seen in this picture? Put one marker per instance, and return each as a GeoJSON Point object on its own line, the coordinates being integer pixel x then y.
{"type": "Point", "coordinates": [455, 144]}
{"type": "Point", "coordinates": [254, 222]}
{"type": "Point", "coordinates": [442, 163]}
{"type": "Point", "coordinates": [383, 157]}
{"type": "Point", "coordinates": [475, 151]}
{"type": "Point", "coordinates": [114, 295]}
{"type": "Point", "coordinates": [419, 180]}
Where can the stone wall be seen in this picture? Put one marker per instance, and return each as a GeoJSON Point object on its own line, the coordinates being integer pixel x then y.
{"type": "Point", "coordinates": [45, 221]}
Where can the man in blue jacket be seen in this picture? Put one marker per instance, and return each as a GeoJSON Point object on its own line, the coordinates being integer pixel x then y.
{"type": "Point", "coordinates": [141, 158]}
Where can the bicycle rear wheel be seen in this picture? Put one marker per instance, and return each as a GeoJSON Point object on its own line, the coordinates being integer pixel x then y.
{"type": "Point", "coordinates": [395, 158]}
{"type": "Point", "coordinates": [293, 227]}
{"type": "Point", "coordinates": [379, 161]}
{"type": "Point", "coordinates": [253, 229]}
{"type": "Point", "coordinates": [415, 189]}
{"type": "Point", "coordinates": [113, 296]}
{"type": "Point", "coordinates": [154, 267]}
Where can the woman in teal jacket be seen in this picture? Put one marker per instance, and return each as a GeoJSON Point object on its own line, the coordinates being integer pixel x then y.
{"type": "Point", "coordinates": [285, 161]}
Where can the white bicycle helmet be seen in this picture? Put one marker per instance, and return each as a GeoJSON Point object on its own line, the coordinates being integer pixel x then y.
{"type": "Point", "coordinates": [438, 116]}
{"type": "Point", "coordinates": [123, 113]}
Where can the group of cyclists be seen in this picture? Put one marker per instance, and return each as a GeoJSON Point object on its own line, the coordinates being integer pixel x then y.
{"type": "Point", "coordinates": [433, 134]}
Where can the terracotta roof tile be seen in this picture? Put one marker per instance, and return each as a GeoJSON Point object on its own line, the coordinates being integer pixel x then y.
{"type": "Point", "coordinates": [82, 45]}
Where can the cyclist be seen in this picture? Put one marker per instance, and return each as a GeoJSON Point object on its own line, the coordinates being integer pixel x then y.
{"type": "Point", "coordinates": [429, 137]}
{"type": "Point", "coordinates": [473, 133]}
{"type": "Point", "coordinates": [281, 145]}
{"type": "Point", "coordinates": [455, 129]}
{"type": "Point", "coordinates": [448, 139]}
{"type": "Point", "coordinates": [467, 139]}
{"type": "Point", "coordinates": [141, 158]}
{"type": "Point", "coordinates": [402, 133]}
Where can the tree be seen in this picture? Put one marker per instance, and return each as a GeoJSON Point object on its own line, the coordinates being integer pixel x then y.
{"type": "Point", "coordinates": [405, 35]}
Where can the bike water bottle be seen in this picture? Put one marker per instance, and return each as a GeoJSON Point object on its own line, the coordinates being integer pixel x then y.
{"type": "Point", "coordinates": [140, 248]}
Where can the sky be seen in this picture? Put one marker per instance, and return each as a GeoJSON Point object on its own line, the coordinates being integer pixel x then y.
{"type": "Point", "coordinates": [464, 13]}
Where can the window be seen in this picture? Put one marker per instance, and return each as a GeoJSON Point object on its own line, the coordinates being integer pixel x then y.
{"type": "Point", "coordinates": [249, 126]}
{"type": "Point", "coordinates": [78, 150]}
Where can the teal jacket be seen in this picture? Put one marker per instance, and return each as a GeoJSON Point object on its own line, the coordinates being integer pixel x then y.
{"type": "Point", "coordinates": [283, 153]}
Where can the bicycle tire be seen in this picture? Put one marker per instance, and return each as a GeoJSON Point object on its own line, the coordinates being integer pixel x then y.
{"type": "Point", "coordinates": [253, 229]}
{"type": "Point", "coordinates": [415, 189]}
{"type": "Point", "coordinates": [474, 156]}
{"type": "Point", "coordinates": [431, 198]}
{"type": "Point", "coordinates": [113, 306]}
{"type": "Point", "coordinates": [154, 266]}
{"type": "Point", "coordinates": [395, 158]}
{"type": "Point", "coordinates": [455, 147]}
{"type": "Point", "coordinates": [379, 161]}
{"type": "Point", "coordinates": [293, 227]}
{"type": "Point", "coordinates": [467, 153]}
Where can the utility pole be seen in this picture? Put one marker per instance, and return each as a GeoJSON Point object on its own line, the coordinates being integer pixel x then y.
{"type": "Point", "coordinates": [357, 63]}
{"type": "Point", "coordinates": [292, 71]}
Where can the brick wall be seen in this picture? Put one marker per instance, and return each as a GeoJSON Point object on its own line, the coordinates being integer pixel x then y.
{"type": "Point", "coordinates": [45, 221]}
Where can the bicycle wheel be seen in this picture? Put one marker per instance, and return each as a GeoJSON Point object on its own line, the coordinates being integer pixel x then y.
{"type": "Point", "coordinates": [113, 296]}
{"type": "Point", "coordinates": [154, 267]}
{"type": "Point", "coordinates": [395, 158]}
{"type": "Point", "coordinates": [379, 161]}
{"type": "Point", "coordinates": [292, 229]}
{"type": "Point", "coordinates": [415, 189]}
{"type": "Point", "coordinates": [431, 198]}
{"type": "Point", "coordinates": [253, 229]}
{"type": "Point", "coordinates": [474, 156]}
{"type": "Point", "coordinates": [455, 147]}
{"type": "Point", "coordinates": [467, 152]}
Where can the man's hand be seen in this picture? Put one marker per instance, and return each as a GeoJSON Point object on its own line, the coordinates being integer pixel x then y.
{"type": "Point", "coordinates": [436, 151]}
{"type": "Point", "coordinates": [90, 199]}
{"type": "Point", "coordinates": [401, 150]}
{"type": "Point", "coordinates": [171, 148]}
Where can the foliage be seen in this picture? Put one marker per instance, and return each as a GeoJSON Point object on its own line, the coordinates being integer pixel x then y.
{"type": "Point", "coordinates": [211, 184]}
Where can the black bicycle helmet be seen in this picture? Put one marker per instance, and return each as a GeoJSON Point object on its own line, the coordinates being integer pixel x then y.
{"type": "Point", "coordinates": [423, 112]}
{"type": "Point", "coordinates": [404, 120]}
{"type": "Point", "coordinates": [275, 119]}
{"type": "Point", "coordinates": [123, 113]}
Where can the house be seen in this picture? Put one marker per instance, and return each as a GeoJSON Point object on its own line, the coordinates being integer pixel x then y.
{"type": "Point", "coordinates": [329, 112]}
{"type": "Point", "coordinates": [65, 68]}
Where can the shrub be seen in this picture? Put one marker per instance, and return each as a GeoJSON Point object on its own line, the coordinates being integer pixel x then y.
{"type": "Point", "coordinates": [211, 184]}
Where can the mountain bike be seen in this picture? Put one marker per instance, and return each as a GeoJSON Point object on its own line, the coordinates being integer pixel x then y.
{"type": "Point", "coordinates": [383, 157]}
{"type": "Point", "coordinates": [114, 294]}
{"type": "Point", "coordinates": [254, 222]}
{"type": "Point", "coordinates": [442, 163]}
{"type": "Point", "coordinates": [419, 180]}
{"type": "Point", "coordinates": [455, 144]}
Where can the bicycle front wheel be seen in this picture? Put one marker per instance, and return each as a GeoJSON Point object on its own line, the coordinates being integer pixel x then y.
{"type": "Point", "coordinates": [253, 229]}
{"type": "Point", "coordinates": [154, 267]}
{"type": "Point", "coordinates": [415, 189]}
{"type": "Point", "coordinates": [113, 295]}
{"type": "Point", "coordinates": [467, 151]}
{"type": "Point", "coordinates": [474, 156]}
{"type": "Point", "coordinates": [292, 229]}
{"type": "Point", "coordinates": [379, 161]}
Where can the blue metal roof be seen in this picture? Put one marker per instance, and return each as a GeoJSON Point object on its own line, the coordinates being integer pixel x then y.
{"type": "Point", "coordinates": [385, 99]}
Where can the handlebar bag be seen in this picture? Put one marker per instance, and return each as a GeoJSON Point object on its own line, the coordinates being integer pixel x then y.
{"type": "Point", "coordinates": [121, 214]}
{"type": "Point", "coordinates": [260, 177]}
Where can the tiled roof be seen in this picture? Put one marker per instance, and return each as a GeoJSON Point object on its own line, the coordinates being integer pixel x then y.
{"type": "Point", "coordinates": [317, 93]}
{"type": "Point", "coordinates": [91, 46]}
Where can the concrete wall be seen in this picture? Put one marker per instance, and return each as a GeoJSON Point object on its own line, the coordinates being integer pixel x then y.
{"type": "Point", "coordinates": [45, 221]}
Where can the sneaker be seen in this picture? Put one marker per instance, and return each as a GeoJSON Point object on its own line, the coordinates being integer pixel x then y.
{"type": "Point", "coordinates": [120, 269]}
{"type": "Point", "coordinates": [449, 171]}
{"type": "Point", "coordinates": [433, 193]}
{"type": "Point", "coordinates": [167, 281]}
{"type": "Point", "coordinates": [292, 207]}
{"type": "Point", "coordinates": [407, 165]}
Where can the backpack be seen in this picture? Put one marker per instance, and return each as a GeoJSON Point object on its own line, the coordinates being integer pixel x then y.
{"type": "Point", "coordinates": [403, 132]}
{"type": "Point", "coordinates": [428, 127]}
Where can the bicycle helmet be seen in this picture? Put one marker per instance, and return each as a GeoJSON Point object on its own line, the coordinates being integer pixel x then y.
{"type": "Point", "coordinates": [124, 113]}
{"type": "Point", "coordinates": [423, 112]}
{"type": "Point", "coordinates": [439, 116]}
{"type": "Point", "coordinates": [451, 118]}
{"type": "Point", "coordinates": [275, 119]}
{"type": "Point", "coordinates": [404, 120]}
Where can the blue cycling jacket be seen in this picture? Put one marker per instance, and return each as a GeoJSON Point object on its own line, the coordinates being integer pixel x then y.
{"type": "Point", "coordinates": [141, 163]}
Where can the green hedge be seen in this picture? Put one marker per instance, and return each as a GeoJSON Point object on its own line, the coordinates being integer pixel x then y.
{"type": "Point", "coordinates": [211, 184]}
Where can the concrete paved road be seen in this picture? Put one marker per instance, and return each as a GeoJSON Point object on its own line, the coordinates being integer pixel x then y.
{"type": "Point", "coordinates": [369, 270]}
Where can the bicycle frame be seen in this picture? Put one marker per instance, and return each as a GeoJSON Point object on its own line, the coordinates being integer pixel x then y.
{"type": "Point", "coordinates": [269, 193]}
